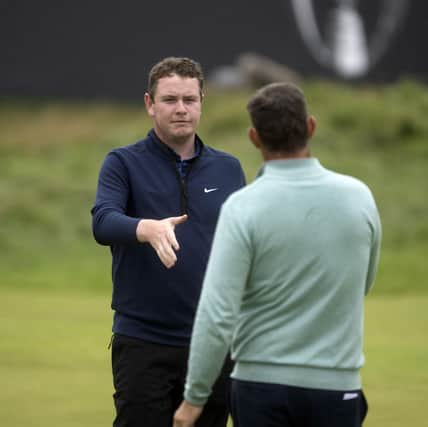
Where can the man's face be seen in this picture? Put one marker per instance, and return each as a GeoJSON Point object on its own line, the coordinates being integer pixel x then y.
{"type": "Point", "coordinates": [176, 108]}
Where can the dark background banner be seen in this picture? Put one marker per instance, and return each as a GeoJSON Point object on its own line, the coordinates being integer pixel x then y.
{"type": "Point", "coordinates": [104, 49]}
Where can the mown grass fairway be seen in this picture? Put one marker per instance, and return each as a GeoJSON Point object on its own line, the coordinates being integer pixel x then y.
{"type": "Point", "coordinates": [55, 366]}
{"type": "Point", "coordinates": [54, 362]}
{"type": "Point", "coordinates": [396, 373]}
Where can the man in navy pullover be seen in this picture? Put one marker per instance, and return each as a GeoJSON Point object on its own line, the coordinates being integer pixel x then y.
{"type": "Point", "coordinates": [156, 206]}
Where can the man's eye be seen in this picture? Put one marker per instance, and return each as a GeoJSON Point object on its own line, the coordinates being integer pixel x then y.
{"type": "Point", "coordinates": [190, 100]}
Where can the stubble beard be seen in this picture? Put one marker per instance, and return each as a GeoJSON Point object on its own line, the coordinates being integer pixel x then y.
{"type": "Point", "coordinates": [182, 136]}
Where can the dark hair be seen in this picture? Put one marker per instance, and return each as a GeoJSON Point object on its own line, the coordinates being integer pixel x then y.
{"type": "Point", "coordinates": [278, 113]}
{"type": "Point", "coordinates": [183, 67]}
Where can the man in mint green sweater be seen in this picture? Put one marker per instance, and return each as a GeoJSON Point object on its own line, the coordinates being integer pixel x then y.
{"type": "Point", "coordinates": [294, 254]}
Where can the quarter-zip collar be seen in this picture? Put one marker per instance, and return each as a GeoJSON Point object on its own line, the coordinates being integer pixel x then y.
{"type": "Point", "coordinates": [156, 143]}
{"type": "Point", "coordinates": [181, 167]}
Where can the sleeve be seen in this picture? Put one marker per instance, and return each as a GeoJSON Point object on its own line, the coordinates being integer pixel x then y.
{"type": "Point", "coordinates": [375, 249]}
{"type": "Point", "coordinates": [218, 308]}
{"type": "Point", "coordinates": [110, 224]}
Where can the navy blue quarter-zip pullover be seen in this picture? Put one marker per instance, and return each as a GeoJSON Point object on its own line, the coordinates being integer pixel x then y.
{"type": "Point", "coordinates": [141, 181]}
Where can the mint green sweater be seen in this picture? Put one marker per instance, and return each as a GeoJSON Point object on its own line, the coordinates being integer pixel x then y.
{"type": "Point", "coordinates": [293, 255]}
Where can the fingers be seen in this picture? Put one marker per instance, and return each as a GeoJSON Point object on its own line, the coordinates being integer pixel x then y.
{"type": "Point", "coordinates": [166, 255]}
{"type": "Point", "coordinates": [175, 220]}
{"type": "Point", "coordinates": [160, 234]}
{"type": "Point", "coordinates": [173, 240]}
{"type": "Point", "coordinates": [186, 415]}
{"type": "Point", "coordinates": [166, 247]}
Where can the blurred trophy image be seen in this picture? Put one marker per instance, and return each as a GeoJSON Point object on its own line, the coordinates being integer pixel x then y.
{"type": "Point", "coordinates": [338, 35]}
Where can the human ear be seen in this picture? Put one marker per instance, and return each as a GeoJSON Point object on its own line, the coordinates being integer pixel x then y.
{"type": "Point", "coordinates": [149, 104]}
{"type": "Point", "coordinates": [311, 124]}
{"type": "Point", "coordinates": [254, 137]}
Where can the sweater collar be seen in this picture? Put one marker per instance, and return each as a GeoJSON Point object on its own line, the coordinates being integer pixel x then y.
{"type": "Point", "coordinates": [309, 167]}
{"type": "Point", "coordinates": [160, 145]}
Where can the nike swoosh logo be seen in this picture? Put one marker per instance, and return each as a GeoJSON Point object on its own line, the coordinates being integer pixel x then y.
{"type": "Point", "coordinates": [208, 190]}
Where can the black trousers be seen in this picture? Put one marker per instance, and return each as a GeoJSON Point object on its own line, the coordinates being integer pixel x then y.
{"type": "Point", "coordinates": [149, 382]}
{"type": "Point", "coordinates": [274, 405]}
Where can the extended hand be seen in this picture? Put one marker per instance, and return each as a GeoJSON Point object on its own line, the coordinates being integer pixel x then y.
{"type": "Point", "coordinates": [160, 234]}
{"type": "Point", "coordinates": [186, 415]}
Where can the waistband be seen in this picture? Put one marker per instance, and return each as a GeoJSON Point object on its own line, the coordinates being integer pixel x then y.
{"type": "Point", "coordinates": [298, 376]}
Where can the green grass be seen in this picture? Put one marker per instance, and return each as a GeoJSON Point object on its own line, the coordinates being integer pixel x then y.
{"type": "Point", "coordinates": [54, 363]}
{"type": "Point", "coordinates": [55, 366]}
{"type": "Point", "coordinates": [396, 374]}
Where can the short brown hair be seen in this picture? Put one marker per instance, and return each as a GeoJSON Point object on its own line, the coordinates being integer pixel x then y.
{"type": "Point", "coordinates": [278, 113]}
{"type": "Point", "coordinates": [183, 67]}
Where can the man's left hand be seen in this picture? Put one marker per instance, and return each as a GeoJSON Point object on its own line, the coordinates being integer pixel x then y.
{"type": "Point", "coordinates": [186, 415]}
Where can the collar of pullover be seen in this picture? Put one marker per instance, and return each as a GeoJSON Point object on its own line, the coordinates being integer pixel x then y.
{"type": "Point", "coordinates": [292, 168]}
{"type": "Point", "coordinates": [158, 144]}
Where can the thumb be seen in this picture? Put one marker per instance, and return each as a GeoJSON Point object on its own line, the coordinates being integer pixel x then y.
{"type": "Point", "coordinates": [175, 220]}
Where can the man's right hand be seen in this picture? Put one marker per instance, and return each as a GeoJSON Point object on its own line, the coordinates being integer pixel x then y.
{"type": "Point", "coordinates": [160, 234]}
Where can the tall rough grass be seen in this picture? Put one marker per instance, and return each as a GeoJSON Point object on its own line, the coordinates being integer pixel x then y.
{"type": "Point", "coordinates": [50, 154]}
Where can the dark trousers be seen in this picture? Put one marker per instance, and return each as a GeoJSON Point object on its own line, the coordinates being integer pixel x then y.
{"type": "Point", "coordinates": [149, 382]}
{"type": "Point", "coordinates": [272, 405]}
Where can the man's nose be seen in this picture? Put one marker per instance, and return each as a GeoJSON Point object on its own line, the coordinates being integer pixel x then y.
{"type": "Point", "coordinates": [180, 106]}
